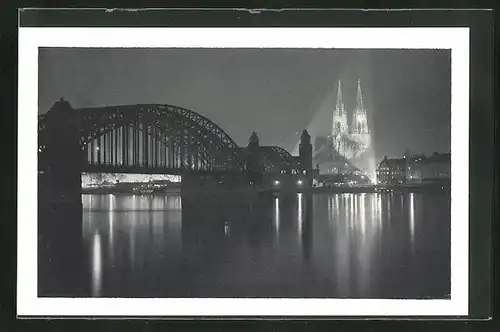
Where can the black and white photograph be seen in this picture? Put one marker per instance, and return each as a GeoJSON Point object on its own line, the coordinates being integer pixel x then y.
{"type": "Point", "coordinates": [204, 168]}
{"type": "Point", "coordinates": [270, 179]}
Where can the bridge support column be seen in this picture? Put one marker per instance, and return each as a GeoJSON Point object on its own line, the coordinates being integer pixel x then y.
{"type": "Point", "coordinates": [61, 257]}
{"type": "Point", "coordinates": [61, 175]}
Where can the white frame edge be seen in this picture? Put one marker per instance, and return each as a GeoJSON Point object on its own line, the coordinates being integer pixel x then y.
{"type": "Point", "coordinates": [30, 39]}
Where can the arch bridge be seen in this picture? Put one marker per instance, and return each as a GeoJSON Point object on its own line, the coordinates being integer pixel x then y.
{"type": "Point", "coordinates": [146, 138]}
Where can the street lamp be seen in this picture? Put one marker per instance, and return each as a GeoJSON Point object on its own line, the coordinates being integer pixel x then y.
{"type": "Point", "coordinates": [276, 182]}
{"type": "Point", "coordinates": [299, 182]}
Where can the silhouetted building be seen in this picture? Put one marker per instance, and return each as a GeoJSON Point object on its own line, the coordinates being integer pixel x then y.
{"type": "Point", "coordinates": [305, 151]}
{"type": "Point", "coordinates": [254, 159]}
{"type": "Point", "coordinates": [436, 167]}
{"type": "Point", "coordinates": [408, 163]}
{"type": "Point", "coordinates": [392, 171]}
{"type": "Point", "coordinates": [305, 156]}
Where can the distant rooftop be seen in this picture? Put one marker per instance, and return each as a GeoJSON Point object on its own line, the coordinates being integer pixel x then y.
{"type": "Point", "coordinates": [437, 157]}
{"type": "Point", "coordinates": [393, 162]}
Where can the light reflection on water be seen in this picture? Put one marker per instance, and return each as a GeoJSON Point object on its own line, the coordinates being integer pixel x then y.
{"type": "Point", "coordinates": [412, 221]}
{"type": "Point", "coordinates": [94, 203]}
{"type": "Point", "coordinates": [96, 265]}
{"type": "Point", "coordinates": [276, 217]}
{"type": "Point", "coordinates": [300, 216]}
{"type": "Point", "coordinates": [345, 245]}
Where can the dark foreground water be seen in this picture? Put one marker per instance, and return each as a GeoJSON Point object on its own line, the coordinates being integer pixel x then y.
{"type": "Point", "coordinates": [341, 245]}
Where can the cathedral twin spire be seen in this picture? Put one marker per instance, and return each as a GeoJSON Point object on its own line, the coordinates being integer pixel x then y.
{"type": "Point", "coordinates": [359, 118]}
{"type": "Point", "coordinates": [339, 107]}
{"type": "Point", "coordinates": [339, 123]}
{"type": "Point", "coordinates": [359, 97]}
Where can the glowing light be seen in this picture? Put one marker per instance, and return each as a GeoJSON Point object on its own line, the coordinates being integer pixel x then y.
{"type": "Point", "coordinates": [134, 201]}
{"type": "Point", "coordinates": [96, 265]}
{"type": "Point", "coordinates": [111, 202]}
{"type": "Point", "coordinates": [276, 215]}
{"type": "Point", "coordinates": [132, 243]}
{"type": "Point", "coordinates": [412, 219]}
{"type": "Point", "coordinates": [362, 214]}
{"type": "Point", "coordinates": [276, 182]}
{"type": "Point", "coordinates": [351, 209]}
{"type": "Point", "coordinates": [111, 235]}
{"type": "Point", "coordinates": [379, 210]}
{"type": "Point", "coordinates": [374, 208]}
{"type": "Point", "coordinates": [95, 179]}
{"type": "Point", "coordinates": [299, 213]}
{"type": "Point", "coordinates": [299, 182]}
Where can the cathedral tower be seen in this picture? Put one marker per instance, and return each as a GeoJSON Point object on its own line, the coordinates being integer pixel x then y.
{"type": "Point", "coordinates": [254, 160]}
{"type": "Point", "coordinates": [305, 151]}
{"type": "Point", "coordinates": [360, 131]}
{"type": "Point", "coordinates": [339, 123]}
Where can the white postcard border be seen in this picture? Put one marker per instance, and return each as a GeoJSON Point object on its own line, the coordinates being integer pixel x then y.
{"type": "Point", "coordinates": [30, 39]}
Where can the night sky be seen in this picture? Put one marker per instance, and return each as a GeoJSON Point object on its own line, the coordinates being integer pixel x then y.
{"type": "Point", "coordinates": [276, 92]}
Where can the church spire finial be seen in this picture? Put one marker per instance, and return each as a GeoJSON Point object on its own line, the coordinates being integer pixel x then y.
{"type": "Point", "coordinates": [359, 97]}
{"type": "Point", "coordinates": [339, 107]}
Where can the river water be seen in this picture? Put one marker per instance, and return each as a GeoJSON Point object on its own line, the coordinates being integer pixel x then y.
{"type": "Point", "coordinates": [322, 245]}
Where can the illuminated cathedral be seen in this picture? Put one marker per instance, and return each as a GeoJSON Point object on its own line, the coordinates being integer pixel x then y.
{"type": "Point", "coordinates": [350, 141]}
{"type": "Point", "coordinates": [345, 147]}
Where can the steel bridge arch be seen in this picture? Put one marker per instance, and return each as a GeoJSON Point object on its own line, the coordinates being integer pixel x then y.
{"type": "Point", "coordinates": [162, 122]}
{"type": "Point", "coordinates": [277, 158]}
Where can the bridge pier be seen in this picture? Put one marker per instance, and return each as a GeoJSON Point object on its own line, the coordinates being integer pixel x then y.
{"type": "Point", "coordinates": [60, 174]}
{"type": "Point", "coordinates": [61, 271]}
